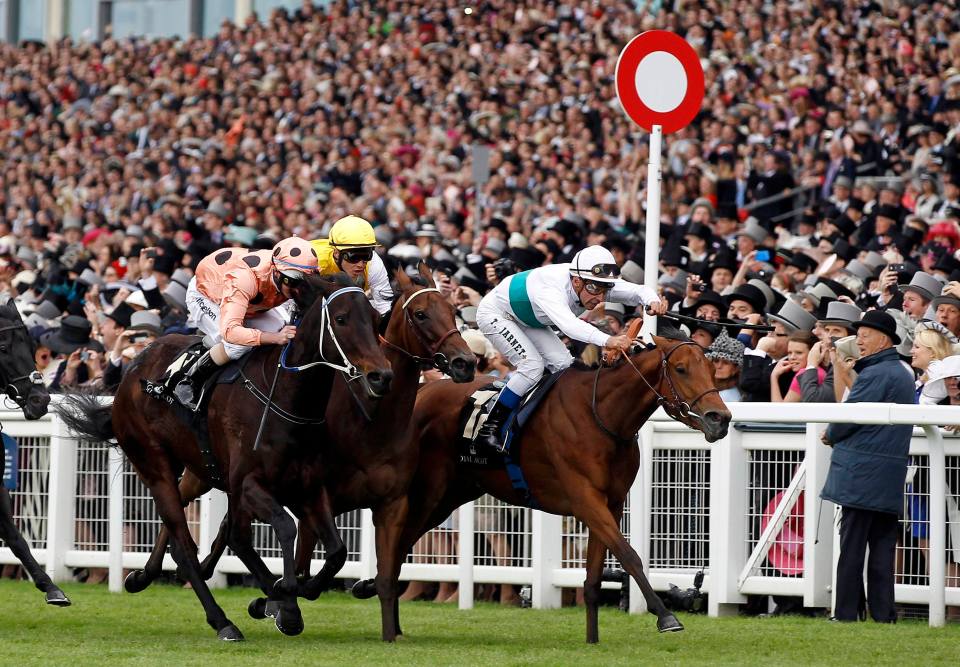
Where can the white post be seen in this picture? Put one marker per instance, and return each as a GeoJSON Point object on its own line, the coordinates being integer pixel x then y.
{"type": "Point", "coordinates": [466, 520]}
{"type": "Point", "coordinates": [547, 557]}
{"type": "Point", "coordinates": [62, 494]}
{"type": "Point", "coordinates": [641, 505]}
{"type": "Point", "coordinates": [818, 523]}
{"type": "Point", "coordinates": [213, 507]}
{"type": "Point", "coordinates": [115, 518]}
{"type": "Point", "coordinates": [368, 545]}
{"type": "Point", "coordinates": [938, 522]}
{"type": "Point", "coordinates": [243, 9]}
{"type": "Point", "coordinates": [729, 465]}
{"type": "Point", "coordinates": [651, 256]}
{"type": "Point", "coordinates": [54, 20]}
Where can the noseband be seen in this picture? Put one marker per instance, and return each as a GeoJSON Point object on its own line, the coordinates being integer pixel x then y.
{"type": "Point", "coordinates": [435, 358]}
{"type": "Point", "coordinates": [34, 377]}
{"type": "Point", "coordinates": [326, 329]}
{"type": "Point", "coordinates": [675, 406]}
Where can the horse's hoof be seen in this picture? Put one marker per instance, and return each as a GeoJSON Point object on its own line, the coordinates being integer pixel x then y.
{"type": "Point", "coordinates": [669, 623]}
{"type": "Point", "coordinates": [289, 626]}
{"type": "Point", "coordinates": [310, 589]}
{"type": "Point", "coordinates": [272, 608]}
{"type": "Point", "coordinates": [257, 608]}
{"type": "Point", "coordinates": [136, 581]}
{"type": "Point", "coordinates": [364, 589]}
{"type": "Point", "coordinates": [57, 598]}
{"type": "Point", "coordinates": [230, 633]}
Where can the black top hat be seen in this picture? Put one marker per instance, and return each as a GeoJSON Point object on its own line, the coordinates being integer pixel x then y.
{"type": "Point", "coordinates": [527, 258]}
{"type": "Point", "coordinates": [709, 297]}
{"type": "Point", "coordinates": [121, 314]}
{"type": "Point", "coordinates": [888, 211]}
{"type": "Point", "coordinates": [750, 294]}
{"type": "Point", "coordinates": [880, 321]}
{"type": "Point", "coordinates": [700, 231]}
{"type": "Point", "coordinates": [74, 333]}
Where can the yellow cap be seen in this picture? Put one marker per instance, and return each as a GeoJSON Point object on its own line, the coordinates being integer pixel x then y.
{"type": "Point", "coordinates": [352, 232]}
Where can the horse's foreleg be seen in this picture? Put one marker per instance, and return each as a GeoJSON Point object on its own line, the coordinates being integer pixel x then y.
{"type": "Point", "coordinates": [266, 508]}
{"type": "Point", "coordinates": [593, 511]}
{"type": "Point", "coordinates": [14, 539]}
{"type": "Point", "coordinates": [389, 520]}
{"type": "Point", "coordinates": [319, 519]}
{"type": "Point", "coordinates": [591, 585]}
{"type": "Point", "coordinates": [307, 539]}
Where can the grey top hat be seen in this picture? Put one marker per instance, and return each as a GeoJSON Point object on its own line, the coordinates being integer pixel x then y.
{"type": "Point", "coordinates": [217, 208]}
{"type": "Point", "coordinates": [134, 230]}
{"type": "Point", "coordinates": [90, 278]}
{"type": "Point", "coordinates": [26, 255]}
{"type": "Point", "coordinates": [842, 314]}
{"type": "Point", "coordinates": [859, 269]}
{"type": "Point", "coordinates": [906, 329]}
{"type": "Point", "coordinates": [632, 272]}
{"type": "Point", "coordinates": [175, 293]}
{"type": "Point", "coordinates": [48, 310]}
{"type": "Point", "coordinates": [616, 310]}
{"type": "Point", "coordinates": [874, 260]}
{"type": "Point", "coordinates": [843, 182]}
{"type": "Point", "coordinates": [71, 221]}
{"type": "Point", "coordinates": [947, 299]}
{"type": "Point", "coordinates": [181, 276]}
{"type": "Point", "coordinates": [817, 292]}
{"type": "Point", "coordinates": [766, 289]}
{"type": "Point", "coordinates": [923, 284]}
{"type": "Point", "coordinates": [146, 320]}
{"type": "Point", "coordinates": [753, 229]}
{"type": "Point", "coordinates": [793, 316]}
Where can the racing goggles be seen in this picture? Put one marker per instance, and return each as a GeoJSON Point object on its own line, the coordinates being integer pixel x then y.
{"type": "Point", "coordinates": [290, 277]}
{"type": "Point", "coordinates": [594, 287]}
{"type": "Point", "coordinates": [605, 271]}
{"type": "Point", "coordinates": [356, 255]}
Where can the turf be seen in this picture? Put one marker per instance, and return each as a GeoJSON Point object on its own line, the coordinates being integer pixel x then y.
{"type": "Point", "coordinates": [164, 626]}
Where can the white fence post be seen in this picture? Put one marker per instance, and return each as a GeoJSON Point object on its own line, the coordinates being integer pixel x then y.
{"type": "Point", "coordinates": [817, 518]}
{"type": "Point", "coordinates": [368, 545]}
{"type": "Point", "coordinates": [62, 500]}
{"type": "Point", "coordinates": [641, 505]}
{"type": "Point", "coordinates": [547, 557]}
{"type": "Point", "coordinates": [466, 518]}
{"type": "Point", "coordinates": [213, 507]}
{"type": "Point", "coordinates": [938, 522]}
{"type": "Point", "coordinates": [115, 518]}
{"type": "Point", "coordinates": [729, 477]}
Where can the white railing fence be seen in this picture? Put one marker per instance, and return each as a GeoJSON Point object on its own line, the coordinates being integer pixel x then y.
{"type": "Point", "coordinates": [746, 510]}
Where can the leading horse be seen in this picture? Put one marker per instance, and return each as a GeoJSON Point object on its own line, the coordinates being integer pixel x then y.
{"type": "Point", "coordinates": [578, 453]}
{"type": "Point", "coordinates": [261, 476]}
{"type": "Point", "coordinates": [21, 381]}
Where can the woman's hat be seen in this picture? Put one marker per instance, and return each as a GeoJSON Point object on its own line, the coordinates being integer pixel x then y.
{"type": "Point", "coordinates": [879, 321]}
{"type": "Point", "coordinates": [73, 334]}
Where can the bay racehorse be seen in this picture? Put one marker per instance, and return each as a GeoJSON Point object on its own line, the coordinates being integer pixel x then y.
{"type": "Point", "coordinates": [337, 333]}
{"type": "Point", "coordinates": [21, 381]}
{"type": "Point", "coordinates": [369, 455]}
{"type": "Point", "coordinates": [579, 453]}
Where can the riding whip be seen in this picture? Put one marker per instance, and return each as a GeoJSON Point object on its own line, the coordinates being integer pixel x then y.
{"type": "Point", "coordinates": [266, 407]}
{"type": "Point", "coordinates": [677, 317]}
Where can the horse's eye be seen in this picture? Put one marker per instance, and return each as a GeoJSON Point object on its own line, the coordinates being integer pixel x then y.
{"type": "Point", "coordinates": [420, 315]}
{"type": "Point", "coordinates": [340, 319]}
{"type": "Point", "coordinates": [681, 370]}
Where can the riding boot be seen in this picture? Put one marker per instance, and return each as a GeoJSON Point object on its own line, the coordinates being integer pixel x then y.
{"type": "Point", "coordinates": [490, 435]}
{"type": "Point", "coordinates": [188, 389]}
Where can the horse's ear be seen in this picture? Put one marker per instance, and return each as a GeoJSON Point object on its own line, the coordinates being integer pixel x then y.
{"type": "Point", "coordinates": [403, 280]}
{"type": "Point", "coordinates": [426, 273]}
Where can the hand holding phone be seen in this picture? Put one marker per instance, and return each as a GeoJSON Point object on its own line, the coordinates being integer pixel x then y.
{"type": "Point", "coordinates": [762, 256]}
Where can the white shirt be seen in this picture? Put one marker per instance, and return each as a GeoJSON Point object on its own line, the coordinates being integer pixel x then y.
{"type": "Point", "coordinates": [381, 294]}
{"type": "Point", "coordinates": [554, 301]}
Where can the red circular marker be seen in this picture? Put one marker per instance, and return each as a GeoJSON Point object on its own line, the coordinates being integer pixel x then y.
{"type": "Point", "coordinates": [659, 80]}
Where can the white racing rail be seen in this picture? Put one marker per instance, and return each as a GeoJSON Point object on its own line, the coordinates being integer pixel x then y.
{"type": "Point", "coordinates": [745, 509]}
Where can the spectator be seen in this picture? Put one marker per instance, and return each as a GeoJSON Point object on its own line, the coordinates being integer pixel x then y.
{"type": "Point", "coordinates": [795, 361]}
{"type": "Point", "coordinates": [726, 353]}
{"type": "Point", "coordinates": [867, 471]}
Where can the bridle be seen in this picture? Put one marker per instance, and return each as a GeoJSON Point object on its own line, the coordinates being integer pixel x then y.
{"type": "Point", "coordinates": [435, 358]}
{"type": "Point", "coordinates": [345, 366]}
{"type": "Point", "coordinates": [674, 406]}
{"type": "Point", "coordinates": [34, 377]}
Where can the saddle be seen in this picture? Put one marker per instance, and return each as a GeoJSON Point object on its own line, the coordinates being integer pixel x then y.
{"type": "Point", "coordinates": [162, 390]}
{"type": "Point", "coordinates": [474, 414]}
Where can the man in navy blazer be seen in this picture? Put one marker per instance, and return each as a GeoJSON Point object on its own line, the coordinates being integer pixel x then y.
{"type": "Point", "coordinates": [867, 472]}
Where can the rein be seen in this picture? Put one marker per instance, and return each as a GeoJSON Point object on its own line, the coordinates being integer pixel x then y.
{"type": "Point", "coordinates": [34, 377]}
{"type": "Point", "coordinates": [435, 358]}
{"type": "Point", "coordinates": [676, 407]}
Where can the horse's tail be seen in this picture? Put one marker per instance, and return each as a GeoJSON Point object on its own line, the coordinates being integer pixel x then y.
{"type": "Point", "coordinates": [85, 414]}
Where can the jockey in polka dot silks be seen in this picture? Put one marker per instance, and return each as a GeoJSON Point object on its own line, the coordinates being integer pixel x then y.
{"type": "Point", "coordinates": [515, 317]}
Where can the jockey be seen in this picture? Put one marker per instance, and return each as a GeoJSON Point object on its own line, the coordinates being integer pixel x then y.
{"type": "Point", "coordinates": [515, 315]}
{"type": "Point", "coordinates": [234, 299]}
{"type": "Point", "coordinates": [350, 249]}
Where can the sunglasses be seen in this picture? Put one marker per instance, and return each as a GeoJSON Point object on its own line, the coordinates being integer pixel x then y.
{"type": "Point", "coordinates": [356, 256]}
{"type": "Point", "coordinates": [595, 287]}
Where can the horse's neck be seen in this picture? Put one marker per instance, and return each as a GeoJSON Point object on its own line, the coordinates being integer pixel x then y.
{"type": "Point", "coordinates": [298, 392]}
{"type": "Point", "coordinates": [624, 398]}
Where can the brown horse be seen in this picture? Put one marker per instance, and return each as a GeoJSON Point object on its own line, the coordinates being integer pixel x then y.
{"type": "Point", "coordinates": [20, 380]}
{"type": "Point", "coordinates": [369, 456]}
{"type": "Point", "coordinates": [578, 454]}
{"type": "Point", "coordinates": [339, 325]}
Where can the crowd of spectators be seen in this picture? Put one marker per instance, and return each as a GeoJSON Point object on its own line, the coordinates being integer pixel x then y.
{"type": "Point", "coordinates": [820, 180]}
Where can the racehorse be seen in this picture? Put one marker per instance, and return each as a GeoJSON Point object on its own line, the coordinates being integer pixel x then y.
{"type": "Point", "coordinates": [369, 457]}
{"type": "Point", "coordinates": [578, 452]}
{"type": "Point", "coordinates": [22, 382]}
{"type": "Point", "coordinates": [260, 477]}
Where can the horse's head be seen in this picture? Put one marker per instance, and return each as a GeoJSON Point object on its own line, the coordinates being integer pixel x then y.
{"type": "Point", "coordinates": [19, 378]}
{"type": "Point", "coordinates": [686, 384]}
{"type": "Point", "coordinates": [423, 324]}
{"type": "Point", "coordinates": [340, 324]}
